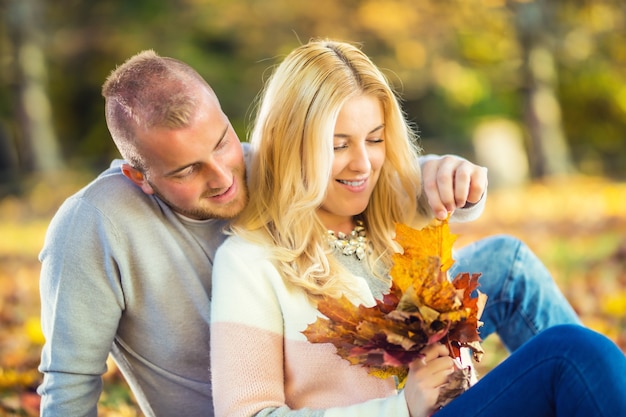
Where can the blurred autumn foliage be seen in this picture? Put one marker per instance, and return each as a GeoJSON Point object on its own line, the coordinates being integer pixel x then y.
{"type": "Point", "coordinates": [576, 225]}
{"type": "Point", "coordinates": [554, 69]}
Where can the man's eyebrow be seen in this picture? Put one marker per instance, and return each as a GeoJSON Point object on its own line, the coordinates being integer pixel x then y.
{"type": "Point", "coordinates": [376, 129]}
{"type": "Point", "coordinates": [179, 169]}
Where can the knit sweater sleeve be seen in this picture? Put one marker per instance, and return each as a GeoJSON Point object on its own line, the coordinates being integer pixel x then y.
{"type": "Point", "coordinates": [81, 305]}
{"type": "Point", "coordinates": [262, 365]}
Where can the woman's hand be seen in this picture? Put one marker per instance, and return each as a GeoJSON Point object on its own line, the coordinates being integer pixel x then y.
{"type": "Point", "coordinates": [426, 376]}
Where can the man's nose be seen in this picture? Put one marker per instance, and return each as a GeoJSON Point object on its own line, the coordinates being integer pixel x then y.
{"type": "Point", "coordinates": [218, 175]}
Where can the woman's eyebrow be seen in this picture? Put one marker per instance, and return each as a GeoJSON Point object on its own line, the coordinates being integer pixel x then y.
{"type": "Point", "coordinates": [344, 135]}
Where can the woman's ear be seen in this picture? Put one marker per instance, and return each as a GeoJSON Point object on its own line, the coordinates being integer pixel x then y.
{"type": "Point", "coordinates": [137, 178]}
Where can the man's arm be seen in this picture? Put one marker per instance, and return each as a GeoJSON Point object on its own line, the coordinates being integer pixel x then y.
{"type": "Point", "coordinates": [80, 308]}
{"type": "Point", "coordinates": [450, 183]}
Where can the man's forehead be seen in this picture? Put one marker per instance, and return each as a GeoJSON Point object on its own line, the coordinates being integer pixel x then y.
{"type": "Point", "coordinates": [168, 149]}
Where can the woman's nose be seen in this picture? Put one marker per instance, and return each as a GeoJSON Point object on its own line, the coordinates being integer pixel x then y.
{"type": "Point", "coordinates": [360, 159]}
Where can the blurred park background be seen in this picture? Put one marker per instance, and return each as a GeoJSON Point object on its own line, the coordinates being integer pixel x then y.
{"type": "Point", "coordinates": [533, 89]}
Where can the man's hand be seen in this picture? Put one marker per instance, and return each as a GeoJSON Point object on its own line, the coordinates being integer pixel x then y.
{"type": "Point", "coordinates": [451, 182]}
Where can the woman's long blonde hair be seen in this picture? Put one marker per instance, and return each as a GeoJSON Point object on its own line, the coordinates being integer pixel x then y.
{"type": "Point", "coordinates": [292, 144]}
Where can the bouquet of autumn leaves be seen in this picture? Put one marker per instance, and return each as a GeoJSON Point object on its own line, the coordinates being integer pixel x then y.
{"type": "Point", "coordinates": [422, 307]}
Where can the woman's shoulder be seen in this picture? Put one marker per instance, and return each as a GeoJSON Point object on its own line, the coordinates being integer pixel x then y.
{"type": "Point", "coordinates": [247, 250]}
{"type": "Point", "coordinates": [251, 264]}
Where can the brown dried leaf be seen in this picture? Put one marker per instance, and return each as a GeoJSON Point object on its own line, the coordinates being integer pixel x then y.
{"type": "Point", "coordinates": [458, 383]}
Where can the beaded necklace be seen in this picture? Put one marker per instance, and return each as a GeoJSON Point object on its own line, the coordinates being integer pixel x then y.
{"type": "Point", "coordinates": [353, 244]}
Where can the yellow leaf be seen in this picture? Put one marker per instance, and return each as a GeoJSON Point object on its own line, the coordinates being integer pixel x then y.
{"type": "Point", "coordinates": [32, 326]}
{"type": "Point", "coordinates": [433, 240]}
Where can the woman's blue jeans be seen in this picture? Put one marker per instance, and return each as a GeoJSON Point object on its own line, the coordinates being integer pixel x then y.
{"type": "Point", "coordinates": [565, 371]}
{"type": "Point", "coordinates": [523, 299]}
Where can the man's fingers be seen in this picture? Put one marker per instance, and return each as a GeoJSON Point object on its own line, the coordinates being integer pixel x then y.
{"type": "Point", "coordinates": [478, 185]}
{"type": "Point", "coordinates": [462, 182]}
{"type": "Point", "coordinates": [451, 182]}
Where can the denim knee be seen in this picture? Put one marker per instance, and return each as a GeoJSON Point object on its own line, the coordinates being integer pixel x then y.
{"type": "Point", "coordinates": [575, 335]}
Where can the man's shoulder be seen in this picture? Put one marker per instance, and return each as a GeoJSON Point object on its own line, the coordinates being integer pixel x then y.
{"type": "Point", "coordinates": [111, 186]}
{"type": "Point", "coordinates": [111, 195]}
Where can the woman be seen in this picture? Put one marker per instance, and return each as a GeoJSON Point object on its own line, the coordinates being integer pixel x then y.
{"type": "Point", "coordinates": [333, 154]}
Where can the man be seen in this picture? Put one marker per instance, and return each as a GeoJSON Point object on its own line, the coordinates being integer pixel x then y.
{"type": "Point", "coordinates": [126, 265]}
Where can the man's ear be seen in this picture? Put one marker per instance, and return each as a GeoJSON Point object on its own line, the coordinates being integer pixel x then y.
{"type": "Point", "coordinates": [137, 177]}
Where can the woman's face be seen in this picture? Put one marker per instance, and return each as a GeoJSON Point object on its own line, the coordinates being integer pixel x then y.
{"type": "Point", "coordinates": [359, 153]}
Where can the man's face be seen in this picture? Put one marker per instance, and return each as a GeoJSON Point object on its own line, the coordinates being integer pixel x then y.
{"type": "Point", "coordinates": [199, 171]}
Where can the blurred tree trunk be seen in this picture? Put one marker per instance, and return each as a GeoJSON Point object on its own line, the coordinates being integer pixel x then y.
{"type": "Point", "coordinates": [37, 145]}
{"type": "Point", "coordinates": [549, 152]}
{"type": "Point", "coordinates": [9, 178]}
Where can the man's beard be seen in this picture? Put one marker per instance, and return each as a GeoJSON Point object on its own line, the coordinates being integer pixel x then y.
{"type": "Point", "coordinates": [225, 212]}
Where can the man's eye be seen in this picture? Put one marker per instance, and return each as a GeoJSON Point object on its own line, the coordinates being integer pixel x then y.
{"type": "Point", "coordinates": [185, 172]}
{"type": "Point", "coordinates": [222, 144]}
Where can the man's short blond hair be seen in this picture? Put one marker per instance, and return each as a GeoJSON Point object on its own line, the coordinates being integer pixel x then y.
{"type": "Point", "coordinates": [149, 91]}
